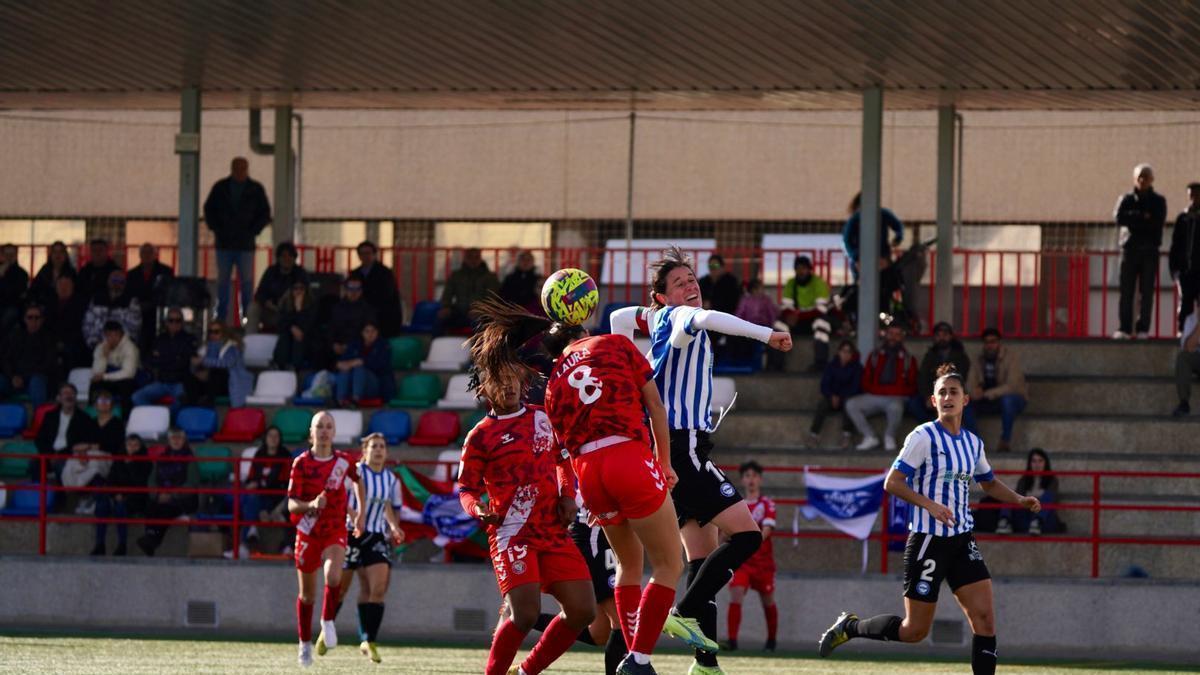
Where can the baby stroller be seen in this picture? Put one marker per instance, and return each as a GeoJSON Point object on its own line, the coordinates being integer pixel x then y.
{"type": "Point", "coordinates": [899, 283]}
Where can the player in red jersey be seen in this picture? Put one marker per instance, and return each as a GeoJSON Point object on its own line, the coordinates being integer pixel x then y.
{"type": "Point", "coordinates": [757, 573]}
{"type": "Point", "coordinates": [317, 501]}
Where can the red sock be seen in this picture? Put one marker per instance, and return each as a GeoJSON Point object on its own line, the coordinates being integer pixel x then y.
{"type": "Point", "coordinates": [504, 648]}
{"type": "Point", "coordinates": [330, 604]}
{"type": "Point", "coordinates": [652, 614]}
{"type": "Point", "coordinates": [735, 620]}
{"type": "Point", "coordinates": [626, 599]}
{"type": "Point", "coordinates": [304, 620]}
{"type": "Point", "coordinates": [556, 640]}
{"type": "Point", "coordinates": [772, 614]}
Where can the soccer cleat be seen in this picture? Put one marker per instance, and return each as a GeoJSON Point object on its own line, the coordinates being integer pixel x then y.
{"type": "Point", "coordinates": [701, 669]}
{"type": "Point", "coordinates": [769, 646]}
{"type": "Point", "coordinates": [629, 666]}
{"type": "Point", "coordinates": [321, 648]}
{"type": "Point", "coordinates": [373, 652]}
{"type": "Point", "coordinates": [305, 654]}
{"type": "Point", "coordinates": [688, 630]}
{"type": "Point", "coordinates": [836, 635]}
{"type": "Point", "coordinates": [515, 670]}
{"type": "Point", "coordinates": [329, 632]}
{"type": "Point", "coordinates": [362, 648]}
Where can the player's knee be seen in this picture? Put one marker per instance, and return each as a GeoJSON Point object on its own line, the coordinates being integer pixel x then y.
{"type": "Point", "coordinates": [524, 618]}
{"type": "Point", "coordinates": [666, 564]}
{"type": "Point", "coordinates": [983, 622]}
{"type": "Point", "coordinates": [307, 598]}
{"type": "Point", "coordinates": [911, 633]}
{"type": "Point", "coordinates": [579, 615]}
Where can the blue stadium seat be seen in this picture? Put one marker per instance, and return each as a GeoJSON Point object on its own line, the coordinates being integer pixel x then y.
{"type": "Point", "coordinates": [12, 419]}
{"type": "Point", "coordinates": [25, 502]}
{"type": "Point", "coordinates": [424, 317]}
{"type": "Point", "coordinates": [395, 425]}
{"type": "Point", "coordinates": [724, 365]}
{"type": "Point", "coordinates": [301, 399]}
{"type": "Point", "coordinates": [606, 315]}
{"type": "Point", "coordinates": [198, 423]}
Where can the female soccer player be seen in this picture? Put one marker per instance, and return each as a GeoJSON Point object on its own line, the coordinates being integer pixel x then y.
{"type": "Point", "coordinates": [706, 502]}
{"type": "Point", "coordinates": [317, 501]}
{"type": "Point", "coordinates": [934, 472]}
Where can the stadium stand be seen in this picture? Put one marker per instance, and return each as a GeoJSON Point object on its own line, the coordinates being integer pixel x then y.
{"type": "Point", "coordinates": [457, 397]}
{"type": "Point", "coordinates": [39, 415]}
{"type": "Point", "coordinates": [436, 427]}
{"type": "Point", "coordinates": [407, 352]}
{"type": "Point", "coordinates": [605, 325]}
{"type": "Point", "coordinates": [12, 419]}
{"type": "Point", "coordinates": [447, 353]}
{"type": "Point", "coordinates": [424, 317]}
{"type": "Point", "coordinates": [82, 379]}
{"type": "Point", "coordinates": [17, 467]}
{"type": "Point", "coordinates": [418, 390]}
{"type": "Point", "coordinates": [149, 421]}
{"type": "Point", "coordinates": [260, 347]}
{"type": "Point", "coordinates": [241, 424]}
{"type": "Point", "coordinates": [198, 423]}
{"type": "Point", "coordinates": [395, 425]}
{"type": "Point", "coordinates": [273, 387]}
{"type": "Point", "coordinates": [214, 473]}
{"type": "Point", "coordinates": [348, 426]}
{"type": "Point", "coordinates": [293, 423]}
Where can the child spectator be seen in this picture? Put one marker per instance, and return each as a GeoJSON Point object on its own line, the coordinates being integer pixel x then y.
{"type": "Point", "coordinates": [115, 362]}
{"type": "Point", "coordinates": [364, 369]}
{"type": "Point", "coordinates": [169, 364]}
{"type": "Point", "coordinates": [298, 346]}
{"type": "Point", "coordinates": [889, 378]}
{"type": "Point", "coordinates": [841, 381]}
{"type": "Point", "coordinates": [220, 368]}
{"type": "Point", "coordinates": [129, 470]}
{"type": "Point", "coordinates": [169, 474]}
{"type": "Point", "coordinates": [996, 383]}
{"type": "Point", "coordinates": [757, 308]}
{"type": "Point", "coordinates": [805, 309]}
{"type": "Point", "coordinates": [1045, 488]}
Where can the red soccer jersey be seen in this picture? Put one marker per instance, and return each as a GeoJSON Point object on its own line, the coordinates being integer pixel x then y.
{"type": "Point", "coordinates": [763, 512]}
{"type": "Point", "coordinates": [309, 477]}
{"type": "Point", "coordinates": [595, 392]}
{"type": "Point", "coordinates": [514, 459]}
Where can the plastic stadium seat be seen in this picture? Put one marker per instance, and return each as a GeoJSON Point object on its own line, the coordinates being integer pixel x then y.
{"type": "Point", "coordinates": [447, 353]}
{"type": "Point", "coordinates": [24, 502]}
{"type": "Point", "coordinates": [149, 421]}
{"type": "Point", "coordinates": [457, 397]}
{"type": "Point", "coordinates": [447, 469]}
{"type": "Point", "coordinates": [418, 390]}
{"type": "Point", "coordinates": [241, 424]}
{"type": "Point", "coordinates": [198, 423]}
{"type": "Point", "coordinates": [273, 387]}
{"type": "Point", "coordinates": [17, 467]}
{"type": "Point", "coordinates": [722, 394]}
{"type": "Point", "coordinates": [300, 399]}
{"type": "Point", "coordinates": [244, 465]}
{"type": "Point", "coordinates": [746, 366]}
{"type": "Point", "coordinates": [39, 415]}
{"type": "Point", "coordinates": [12, 419]}
{"type": "Point", "coordinates": [293, 424]}
{"type": "Point", "coordinates": [117, 411]}
{"type": "Point", "coordinates": [470, 423]}
{"type": "Point", "coordinates": [213, 472]}
{"type": "Point", "coordinates": [348, 426]}
{"type": "Point", "coordinates": [395, 425]}
{"type": "Point", "coordinates": [259, 348]}
{"type": "Point", "coordinates": [606, 315]}
{"type": "Point", "coordinates": [424, 317]}
{"type": "Point", "coordinates": [436, 427]}
{"type": "Point", "coordinates": [407, 352]}
{"type": "Point", "coordinates": [82, 379]}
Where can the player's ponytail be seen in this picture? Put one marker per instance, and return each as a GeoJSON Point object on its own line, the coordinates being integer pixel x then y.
{"type": "Point", "coordinates": [501, 328]}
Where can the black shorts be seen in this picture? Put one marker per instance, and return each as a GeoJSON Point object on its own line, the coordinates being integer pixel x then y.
{"type": "Point", "coordinates": [929, 559]}
{"type": "Point", "coordinates": [370, 549]}
{"type": "Point", "coordinates": [703, 491]}
{"type": "Point", "coordinates": [601, 561]}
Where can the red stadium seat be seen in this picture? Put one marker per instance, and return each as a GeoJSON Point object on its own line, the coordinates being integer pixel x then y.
{"type": "Point", "coordinates": [242, 424]}
{"type": "Point", "coordinates": [436, 427]}
{"type": "Point", "coordinates": [39, 416]}
{"type": "Point", "coordinates": [370, 403]}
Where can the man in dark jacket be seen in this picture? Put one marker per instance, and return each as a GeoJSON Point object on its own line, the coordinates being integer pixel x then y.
{"type": "Point", "coordinates": [471, 282]}
{"type": "Point", "coordinates": [276, 280]}
{"type": "Point", "coordinates": [350, 313]}
{"type": "Point", "coordinates": [236, 211]}
{"type": "Point", "coordinates": [14, 283]}
{"type": "Point", "coordinates": [1140, 215]}
{"type": "Point", "coordinates": [523, 285]}
{"type": "Point", "coordinates": [143, 283]}
{"type": "Point", "coordinates": [30, 358]}
{"type": "Point", "coordinates": [64, 316]}
{"type": "Point", "coordinates": [719, 289]}
{"type": "Point", "coordinates": [169, 362]}
{"type": "Point", "coordinates": [1184, 259]}
{"type": "Point", "coordinates": [945, 349]}
{"type": "Point", "coordinates": [62, 429]}
{"type": "Point", "coordinates": [379, 289]}
{"type": "Point", "coordinates": [94, 275]}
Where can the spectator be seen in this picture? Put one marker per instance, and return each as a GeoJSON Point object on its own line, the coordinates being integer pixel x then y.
{"type": "Point", "coordinates": [14, 283]}
{"type": "Point", "coordinates": [1140, 215]}
{"type": "Point", "coordinates": [351, 312]}
{"type": "Point", "coordinates": [169, 363]}
{"type": "Point", "coordinates": [850, 233]}
{"type": "Point", "coordinates": [523, 285]}
{"type": "Point", "coordinates": [220, 368]}
{"type": "Point", "coordinates": [720, 289]}
{"type": "Point", "coordinates": [63, 429]}
{"type": "Point", "coordinates": [1184, 259]}
{"type": "Point", "coordinates": [274, 284]}
{"type": "Point", "coordinates": [805, 310]}
{"type": "Point", "coordinates": [170, 474]}
{"type": "Point", "coordinates": [297, 347]}
{"type": "Point", "coordinates": [1044, 487]}
{"type": "Point", "coordinates": [144, 282]}
{"type": "Point", "coordinates": [130, 469]}
{"type": "Point", "coordinates": [268, 471]}
{"type": "Point", "coordinates": [110, 428]}
{"type": "Point", "coordinates": [86, 467]}
{"type": "Point", "coordinates": [841, 381]}
{"type": "Point", "coordinates": [64, 318]}
{"type": "Point", "coordinates": [30, 361]}
{"type": "Point", "coordinates": [945, 349]}
{"type": "Point", "coordinates": [996, 383]}
{"type": "Point", "coordinates": [99, 267]}
{"type": "Point", "coordinates": [236, 211]}
{"type": "Point", "coordinates": [115, 362]}
{"type": "Point", "coordinates": [889, 379]}
{"type": "Point", "coordinates": [114, 303]}
{"type": "Point", "coordinates": [758, 308]}
{"type": "Point", "coordinates": [364, 369]}
{"type": "Point", "coordinates": [379, 289]}
{"type": "Point", "coordinates": [1187, 361]}
{"type": "Point", "coordinates": [57, 265]}
{"type": "Point", "coordinates": [473, 281]}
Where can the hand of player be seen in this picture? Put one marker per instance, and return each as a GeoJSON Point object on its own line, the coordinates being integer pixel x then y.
{"type": "Point", "coordinates": [318, 503]}
{"type": "Point", "coordinates": [485, 515]}
{"type": "Point", "coordinates": [672, 477]}
{"type": "Point", "coordinates": [397, 536]}
{"type": "Point", "coordinates": [567, 509]}
{"type": "Point", "coordinates": [360, 524]}
{"type": "Point", "coordinates": [1031, 503]}
{"type": "Point", "coordinates": [942, 514]}
{"type": "Point", "coordinates": [781, 341]}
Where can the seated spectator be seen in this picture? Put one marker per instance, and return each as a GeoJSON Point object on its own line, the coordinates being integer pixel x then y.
{"type": "Point", "coordinates": [889, 378]}
{"type": "Point", "coordinates": [364, 368]}
{"type": "Point", "coordinates": [86, 467]}
{"type": "Point", "coordinates": [144, 282]}
{"type": "Point", "coordinates": [30, 361]}
{"type": "Point", "coordinates": [1187, 362]}
{"type": "Point", "coordinates": [64, 318]}
{"type": "Point", "coordinates": [269, 470]}
{"type": "Point", "coordinates": [758, 308]}
{"type": "Point", "coordinates": [379, 289]}
{"type": "Point", "coordinates": [841, 381]}
{"type": "Point", "coordinates": [169, 474]}
{"type": "Point", "coordinates": [96, 272]}
{"type": "Point", "coordinates": [62, 430]}
{"type": "Point", "coordinates": [523, 285]}
{"type": "Point", "coordinates": [350, 313]}
{"type": "Point", "coordinates": [275, 282]}
{"type": "Point", "coordinates": [169, 363]}
{"type": "Point", "coordinates": [14, 284]}
{"type": "Point", "coordinates": [806, 310]}
{"type": "Point", "coordinates": [110, 436]}
{"type": "Point", "coordinates": [298, 347]}
{"type": "Point", "coordinates": [996, 384]}
{"type": "Point", "coordinates": [1045, 488]}
{"type": "Point", "coordinates": [945, 349]}
{"type": "Point", "coordinates": [115, 362]}
{"type": "Point", "coordinates": [473, 281]}
{"type": "Point", "coordinates": [220, 368]}
{"type": "Point", "coordinates": [129, 470]}
{"type": "Point", "coordinates": [113, 303]}
{"type": "Point", "coordinates": [57, 265]}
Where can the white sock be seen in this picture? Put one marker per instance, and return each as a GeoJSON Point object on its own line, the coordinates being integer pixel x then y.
{"type": "Point", "coordinates": [640, 658]}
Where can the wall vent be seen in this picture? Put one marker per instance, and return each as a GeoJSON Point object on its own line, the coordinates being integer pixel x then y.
{"type": "Point", "coordinates": [473, 620]}
{"type": "Point", "coordinates": [947, 632]}
{"type": "Point", "coordinates": [201, 613]}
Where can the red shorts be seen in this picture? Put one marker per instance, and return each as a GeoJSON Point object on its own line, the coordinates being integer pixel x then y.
{"type": "Point", "coordinates": [518, 565]}
{"type": "Point", "coordinates": [761, 579]}
{"type": "Point", "coordinates": [309, 548]}
{"type": "Point", "coordinates": [621, 482]}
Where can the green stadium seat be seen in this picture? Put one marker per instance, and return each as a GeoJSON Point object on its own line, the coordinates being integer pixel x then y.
{"type": "Point", "coordinates": [293, 424]}
{"type": "Point", "coordinates": [213, 472]}
{"type": "Point", "coordinates": [91, 411]}
{"type": "Point", "coordinates": [407, 352]}
{"type": "Point", "coordinates": [470, 422]}
{"type": "Point", "coordinates": [418, 390]}
{"type": "Point", "coordinates": [17, 467]}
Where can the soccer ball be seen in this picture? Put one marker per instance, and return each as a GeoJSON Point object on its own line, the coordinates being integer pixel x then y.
{"type": "Point", "coordinates": [569, 296]}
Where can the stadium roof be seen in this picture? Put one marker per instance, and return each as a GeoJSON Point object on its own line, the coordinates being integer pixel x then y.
{"type": "Point", "coordinates": [598, 54]}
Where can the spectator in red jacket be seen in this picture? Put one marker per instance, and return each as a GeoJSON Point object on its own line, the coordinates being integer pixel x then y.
{"type": "Point", "coordinates": [889, 378]}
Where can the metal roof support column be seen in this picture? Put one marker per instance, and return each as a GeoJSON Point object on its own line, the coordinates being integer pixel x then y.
{"type": "Point", "coordinates": [283, 227]}
{"type": "Point", "coordinates": [944, 272]}
{"type": "Point", "coordinates": [187, 146]}
{"type": "Point", "coordinates": [868, 239]}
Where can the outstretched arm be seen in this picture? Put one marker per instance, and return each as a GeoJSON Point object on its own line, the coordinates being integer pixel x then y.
{"type": "Point", "coordinates": [624, 321]}
{"type": "Point", "coordinates": [727, 324]}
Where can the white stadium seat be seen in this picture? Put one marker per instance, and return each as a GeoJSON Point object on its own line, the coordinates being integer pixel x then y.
{"type": "Point", "coordinates": [449, 470]}
{"type": "Point", "coordinates": [348, 426]}
{"type": "Point", "coordinates": [273, 387]}
{"type": "Point", "coordinates": [82, 379]}
{"type": "Point", "coordinates": [149, 421]}
{"type": "Point", "coordinates": [447, 353]}
{"type": "Point", "coordinates": [457, 397]}
{"type": "Point", "coordinates": [260, 347]}
{"type": "Point", "coordinates": [244, 469]}
{"type": "Point", "coordinates": [722, 394]}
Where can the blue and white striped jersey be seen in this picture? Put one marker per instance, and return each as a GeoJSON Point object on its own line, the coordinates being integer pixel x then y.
{"type": "Point", "coordinates": [941, 466]}
{"type": "Point", "coordinates": [683, 375]}
{"type": "Point", "coordinates": [381, 488]}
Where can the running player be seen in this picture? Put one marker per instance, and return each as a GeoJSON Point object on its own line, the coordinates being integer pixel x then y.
{"type": "Point", "coordinates": [317, 501]}
{"type": "Point", "coordinates": [757, 573]}
{"type": "Point", "coordinates": [708, 505]}
{"type": "Point", "coordinates": [933, 473]}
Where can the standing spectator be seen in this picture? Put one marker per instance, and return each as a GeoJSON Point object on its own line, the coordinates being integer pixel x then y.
{"type": "Point", "coordinates": [850, 233]}
{"type": "Point", "coordinates": [1184, 259]}
{"type": "Point", "coordinates": [100, 265]}
{"type": "Point", "coordinates": [889, 378]}
{"type": "Point", "coordinates": [30, 361]}
{"type": "Point", "coordinates": [364, 370]}
{"type": "Point", "coordinates": [14, 283]}
{"type": "Point", "coordinates": [144, 281]}
{"type": "Point", "coordinates": [469, 283]}
{"type": "Point", "coordinates": [351, 312]}
{"type": "Point", "coordinates": [169, 363]}
{"type": "Point", "coordinates": [841, 381]}
{"type": "Point", "coordinates": [719, 288]}
{"type": "Point", "coordinates": [63, 429]}
{"type": "Point", "coordinates": [996, 383]}
{"type": "Point", "coordinates": [523, 285]}
{"type": "Point", "coordinates": [236, 211]}
{"type": "Point", "coordinates": [130, 469]}
{"type": "Point", "coordinates": [758, 308]}
{"type": "Point", "coordinates": [220, 368]}
{"type": "Point", "coordinates": [298, 346]}
{"type": "Point", "coordinates": [379, 289]}
{"type": "Point", "coordinates": [268, 471]}
{"type": "Point", "coordinates": [757, 573]}
{"type": "Point", "coordinates": [945, 349]}
{"type": "Point", "coordinates": [115, 362]}
{"type": "Point", "coordinates": [64, 319]}
{"type": "Point", "coordinates": [806, 308]}
{"type": "Point", "coordinates": [113, 303]}
{"type": "Point", "coordinates": [57, 265]}
{"type": "Point", "coordinates": [1044, 487]}
{"type": "Point", "coordinates": [1140, 215]}
{"type": "Point", "coordinates": [1187, 361]}
{"type": "Point", "coordinates": [169, 474]}
{"type": "Point", "coordinates": [275, 282]}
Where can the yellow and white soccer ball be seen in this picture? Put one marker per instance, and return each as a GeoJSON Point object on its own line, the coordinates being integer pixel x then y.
{"type": "Point", "coordinates": [570, 296]}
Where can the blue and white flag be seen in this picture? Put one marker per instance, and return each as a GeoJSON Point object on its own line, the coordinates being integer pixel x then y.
{"type": "Point", "coordinates": [849, 504]}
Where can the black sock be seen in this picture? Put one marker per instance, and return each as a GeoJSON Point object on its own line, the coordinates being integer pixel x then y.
{"type": "Point", "coordinates": [362, 621]}
{"type": "Point", "coordinates": [983, 655]}
{"type": "Point", "coordinates": [373, 619]}
{"type": "Point", "coordinates": [884, 627]}
{"type": "Point", "coordinates": [542, 621]}
{"type": "Point", "coordinates": [708, 627]}
{"type": "Point", "coordinates": [614, 651]}
{"type": "Point", "coordinates": [717, 570]}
